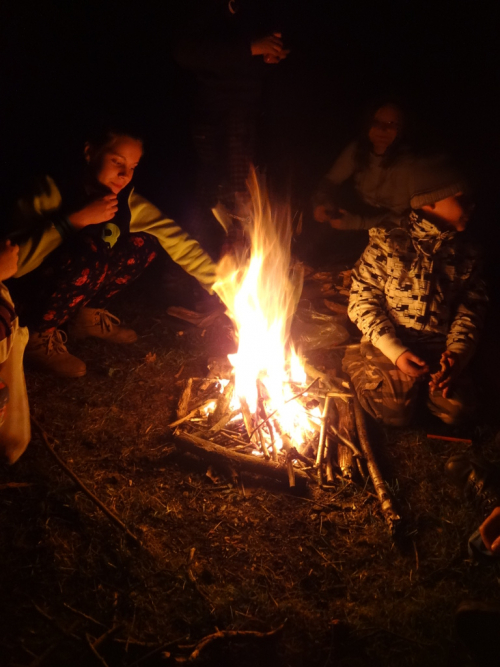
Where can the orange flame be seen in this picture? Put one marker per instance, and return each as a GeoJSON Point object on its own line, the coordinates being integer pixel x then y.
{"type": "Point", "coordinates": [261, 289]}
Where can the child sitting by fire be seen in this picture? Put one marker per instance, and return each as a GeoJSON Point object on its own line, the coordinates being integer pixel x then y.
{"type": "Point", "coordinates": [419, 300]}
{"type": "Point", "coordinates": [15, 430]}
{"type": "Point", "coordinates": [86, 239]}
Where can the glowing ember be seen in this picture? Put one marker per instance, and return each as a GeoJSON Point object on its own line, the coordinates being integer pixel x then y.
{"type": "Point", "coordinates": [261, 290]}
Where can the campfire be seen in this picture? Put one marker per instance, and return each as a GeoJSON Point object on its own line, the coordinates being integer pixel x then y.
{"type": "Point", "coordinates": [266, 408]}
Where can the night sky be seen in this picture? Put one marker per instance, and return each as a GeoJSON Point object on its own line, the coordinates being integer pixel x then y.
{"type": "Point", "coordinates": [65, 63]}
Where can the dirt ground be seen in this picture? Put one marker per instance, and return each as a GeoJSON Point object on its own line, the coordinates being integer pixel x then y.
{"type": "Point", "coordinates": [321, 568]}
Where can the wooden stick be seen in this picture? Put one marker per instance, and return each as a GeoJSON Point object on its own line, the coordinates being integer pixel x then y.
{"type": "Point", "coordinates": [448, 438]}
{"type": "Point", "coordinates": [227, 634]}
{"type": "Point", "coordinates": [322, 437]}
{"type": "Point", "coordinates": [346, 441]}
{"type": "Point", "coordinates": [391, 516]}
{"type": "Point", "coordinates": [199, 407]}
{"type": "Point", "coordinates": [287, 401]}
{"type": "Point", "coordinates": [217, 454]}
{"type": "Point", "coordinates": [219, 426]}
{"type": "Point", "coordinates": [330, 477]}
{"type": "Point", "coordinates": [223, 402]}
{"type": "Point", "coordinates": [182, 408]}
{"type": "Point", "coordinates": [111, 516]}
{"type": "Point", "coordinates": [95, 651]}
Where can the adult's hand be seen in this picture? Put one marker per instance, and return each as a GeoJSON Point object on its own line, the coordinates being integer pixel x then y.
{"type": "Point", "coordinates": [444, 378]}
{"type": "Point", "coordinates": [271, 47]}
{"type": "Point", "coordinates": [100, 210]}
{"type": "Point", "coordinates": [490, 532]}
{"type": "Point", "coordinates": [9, 255]}
{"type": "Point", "coordinates": [411, 365]}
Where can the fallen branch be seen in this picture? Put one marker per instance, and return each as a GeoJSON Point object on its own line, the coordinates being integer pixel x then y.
{"type": "Point", "coordinates": [111, 516]}
{"type": "Point", "coordinates": [212, 452]}
{"type": "Point", "coordinates": [94, 651]}
{"type": "Point", "coordinates": [206, 402]}
{"type": "Point", "coordinates": [391, 516]}
{"type": "Point", "coordinates": [227, 634]}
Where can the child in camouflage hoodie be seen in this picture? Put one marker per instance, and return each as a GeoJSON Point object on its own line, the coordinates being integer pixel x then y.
{"type": "Point", "coordinates": [419, 300]}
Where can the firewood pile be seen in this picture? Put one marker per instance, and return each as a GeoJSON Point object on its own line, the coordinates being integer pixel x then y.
{"type": "Point", "coordinates": [336, 447]}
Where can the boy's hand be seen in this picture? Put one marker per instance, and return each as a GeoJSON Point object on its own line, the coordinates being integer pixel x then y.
{"type": "Point", "coordinates": [448, 373]}
{"type": "Point", "coordinates": [411, 365]}
{"type": "Point", "coordinates": [100, 210]}
{"type": "Point", "coordinates": [271, 47]}
{"type": "Point", "coordinates": [490, 532]}
{"type": "Point", "coordinates": [9, 255]}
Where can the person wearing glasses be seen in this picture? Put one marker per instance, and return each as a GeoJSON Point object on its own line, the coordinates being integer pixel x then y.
{"type": "Point", "coordinates": [370, 183]}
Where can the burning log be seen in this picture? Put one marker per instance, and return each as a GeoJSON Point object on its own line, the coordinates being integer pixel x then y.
{"type": "Point", "coordinates": [213, 453]}
{"type": "Point", "coordinates": [391, 516]}
{"type": "Point", "coordinates": [222, 407]}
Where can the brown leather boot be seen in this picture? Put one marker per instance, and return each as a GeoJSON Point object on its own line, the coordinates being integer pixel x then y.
{"type": "Point", "coordinates": [98, 323]}
{"type": "Point", "coordinates": [47, 352]}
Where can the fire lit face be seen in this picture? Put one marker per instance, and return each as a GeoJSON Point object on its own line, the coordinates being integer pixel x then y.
{"type": "Point", "coordinates": [386, 126]}
{"type": "Point", "coordinates": [113, 165]}
{"type": "Point", "coordinates": [451, 213]}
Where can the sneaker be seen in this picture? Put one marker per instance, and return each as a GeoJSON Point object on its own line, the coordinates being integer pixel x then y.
{"type": "Point", "coordinates": [47, 352]}
{"type": "Point", "coordinates": [98, 323]}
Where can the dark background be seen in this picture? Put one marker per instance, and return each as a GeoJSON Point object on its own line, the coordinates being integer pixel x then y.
{"type": "Point", "coordinates": [66, 64]}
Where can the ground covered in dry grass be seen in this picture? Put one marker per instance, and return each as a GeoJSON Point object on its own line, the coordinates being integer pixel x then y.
{"type": "Point", "coordinates": [215, 555]}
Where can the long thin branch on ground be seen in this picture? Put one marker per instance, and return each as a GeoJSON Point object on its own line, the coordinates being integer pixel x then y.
{"type": "Point", "coordinates": [227, 634]}
{"type": "Point", "coordinates": [111, 516]}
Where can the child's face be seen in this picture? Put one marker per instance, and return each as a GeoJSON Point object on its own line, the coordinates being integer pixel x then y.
{"type": "Point", "coordinates": [452, 213]}
{"type": "Point", "coordinates": [114, 164]}
{"type": "Point", "coordinates": [385, 127]}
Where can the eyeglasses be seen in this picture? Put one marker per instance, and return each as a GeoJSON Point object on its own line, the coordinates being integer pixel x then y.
{"type": "Point", "coordinates": [385, 125]}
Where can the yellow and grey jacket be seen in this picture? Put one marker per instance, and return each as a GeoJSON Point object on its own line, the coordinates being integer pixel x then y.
{"type": "Point", "coordinates": [420, 280]}
{"type": "Point", "coordinates": [45, 228]}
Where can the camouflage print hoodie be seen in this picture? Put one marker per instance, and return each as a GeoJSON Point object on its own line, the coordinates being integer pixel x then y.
{"type": "Point", "coordinates": [418, 279]}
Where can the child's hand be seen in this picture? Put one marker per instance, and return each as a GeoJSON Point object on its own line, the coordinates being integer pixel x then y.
{"type": "Point", "coordinates": [9, 254]}
{"type": "Point", "coordinates": [490, 531]}
{"type": "Point", "coordinates": [337, 221]}
{"type": "Point", "coordinates": [100, 210]}
{"type": "Point", "coordinates": [444, 378]}
{"type": "Point", "coordinates": [323, 214]}
{"type": "Point", "coordinates": [411, 365]}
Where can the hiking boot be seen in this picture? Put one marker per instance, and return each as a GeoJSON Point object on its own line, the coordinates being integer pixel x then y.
{"type": "Point", "coordinates": [98, 323]}
{"type": "Point", "coordinates": [47, 352]}
{"type": "Point", "coordinates": [479, 482]}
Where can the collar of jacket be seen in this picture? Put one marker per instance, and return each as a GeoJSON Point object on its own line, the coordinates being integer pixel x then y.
{"type": "Point", "coordinates": [426, 237]}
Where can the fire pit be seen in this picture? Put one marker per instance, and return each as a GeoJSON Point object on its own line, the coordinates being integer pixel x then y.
{"type": "Point", "coordinates": [265, 408]}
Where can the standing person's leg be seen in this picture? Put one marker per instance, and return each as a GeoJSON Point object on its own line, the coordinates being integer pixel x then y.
{"type": "Point", "coordinates": [383, 390]}
{"type": "Point", "coordinates": [127, 259]}
{"type": "Point", "coordinates": [64, 283]}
